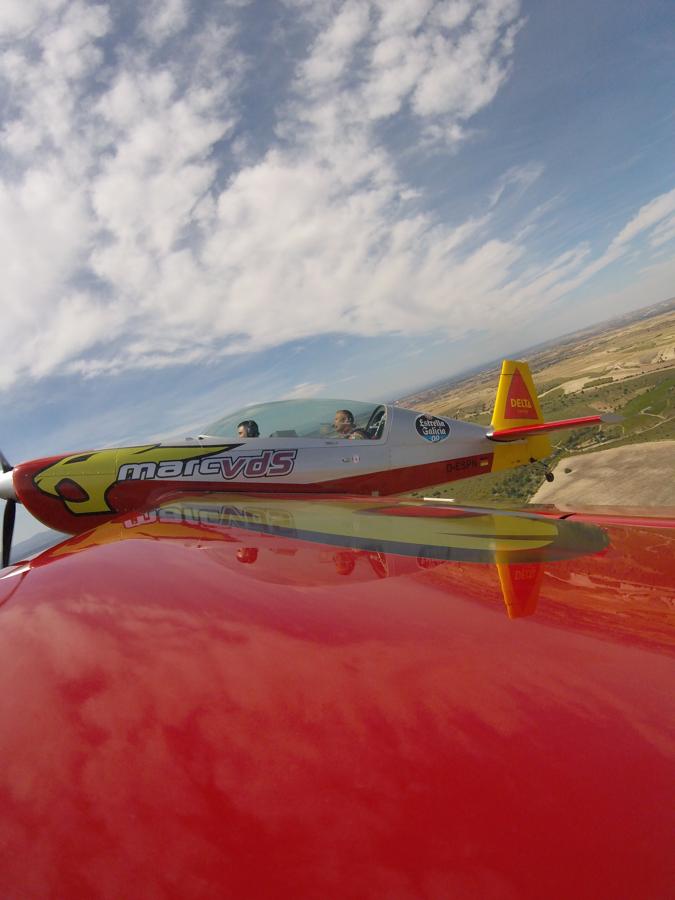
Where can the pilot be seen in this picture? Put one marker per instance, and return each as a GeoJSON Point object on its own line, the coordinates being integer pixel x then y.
{"type": "Point", "coordinates": [343, 422]}
{"type": "Point", "coordinates": [358, 434]}
{"type": "Point", "coordinates": [248, 428]}
{"type": "Point", "coordinates": [345, 562]}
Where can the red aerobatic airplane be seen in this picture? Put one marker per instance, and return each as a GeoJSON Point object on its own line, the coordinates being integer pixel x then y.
{"type": "Point", "coordinates": [253, 672]}
{"type": "Point", "coordinates": [373, 449]}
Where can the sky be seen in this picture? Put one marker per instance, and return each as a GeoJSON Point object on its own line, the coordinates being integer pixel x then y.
{"type": "Point", "coordinates": [206, 204]}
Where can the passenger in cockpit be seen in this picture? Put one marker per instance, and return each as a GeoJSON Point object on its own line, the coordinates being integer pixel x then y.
{"type": "Point", "coordinates": [343, 423]}
{"type": "Point", "coordinates": [248, 429]}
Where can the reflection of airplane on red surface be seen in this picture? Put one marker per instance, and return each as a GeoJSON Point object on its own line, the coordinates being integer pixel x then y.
{"type": "Point", "coordinates": [227, 694]}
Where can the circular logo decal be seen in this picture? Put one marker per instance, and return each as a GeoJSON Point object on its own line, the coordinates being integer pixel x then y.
{"type": "Point", "coordinates": [431, 428]}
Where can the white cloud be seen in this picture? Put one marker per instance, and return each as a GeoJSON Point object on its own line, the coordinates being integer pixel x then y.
{"type": "Point", "coordinates": [452, 13]}
{"type": "Point", "coordinates": [104, 168]}
{"type": "Point", "coordinates": [334, 47]}
{"type": "Point", "coordinates": [133, 232]}
{"type": "Point", "coordinates": [164, 18]}
{"type": "Point", "coordinates": [18, 17]}
{"type": "Point", "coordinates": [465, 73]}
{"type": "Point", "coordinates": [518, 179]}
{"type": "Point", "coordinates": [440, 63]}
{"type": "Point", "coordinates": [664, 233]}
{"type": "Point", "coordinates": [305, 389]}
{"type": "Point", "coordinates": [648, 216]}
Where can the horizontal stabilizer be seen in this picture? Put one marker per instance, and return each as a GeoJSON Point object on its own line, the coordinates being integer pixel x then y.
{"type": "Point", "coordinates": [525, 431]}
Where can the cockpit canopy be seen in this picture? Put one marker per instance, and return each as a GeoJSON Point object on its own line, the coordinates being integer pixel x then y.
{"type": "Point", "coordinates": [302, 418]}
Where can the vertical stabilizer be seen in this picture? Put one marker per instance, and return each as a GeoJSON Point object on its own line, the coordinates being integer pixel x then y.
{"type": "Point", "coordinates": [517, 404]}
{"type": "Point", "coordinates": [521, 585]}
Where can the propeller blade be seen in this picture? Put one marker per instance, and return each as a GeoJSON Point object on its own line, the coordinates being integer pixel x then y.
{"type": "Point", "coordinates": [8, 530]}
{"type": "Point", "coordinates": [4, 463]}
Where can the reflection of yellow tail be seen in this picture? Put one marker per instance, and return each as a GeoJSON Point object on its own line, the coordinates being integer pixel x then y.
{"type": "Point", "coordinates": [517, 405]}
{"type": "Point", "coordinates": [520, 587]}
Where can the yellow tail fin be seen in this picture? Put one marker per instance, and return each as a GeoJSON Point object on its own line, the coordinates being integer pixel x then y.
{"type": "Point", "coordinates": [517, 404]}
{"type": "Point", "coordinates": [521, 585]}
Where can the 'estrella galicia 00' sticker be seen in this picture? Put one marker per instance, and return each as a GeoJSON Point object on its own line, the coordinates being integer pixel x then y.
{"type": "Point", "coordinates": [432, 428]}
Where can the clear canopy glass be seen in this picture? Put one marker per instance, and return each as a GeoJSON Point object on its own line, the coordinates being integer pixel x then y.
{"type": "Point", "coordinates": [301, 418]}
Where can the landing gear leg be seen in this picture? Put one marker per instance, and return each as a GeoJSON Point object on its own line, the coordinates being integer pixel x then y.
{"type": "Point", "coordinates": [548, 475]}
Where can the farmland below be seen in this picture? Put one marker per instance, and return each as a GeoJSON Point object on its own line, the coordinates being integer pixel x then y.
{"type": "Point", "coordinates": [626, 367]}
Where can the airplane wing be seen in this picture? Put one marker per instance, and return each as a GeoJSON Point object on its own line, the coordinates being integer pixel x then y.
{"type": "Point", "coordinates": [256, 696]}
{"type": "Point", "coordinates": [523, 431]}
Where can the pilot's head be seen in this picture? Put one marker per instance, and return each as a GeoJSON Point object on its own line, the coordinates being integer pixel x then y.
{"type": "Point", "coordinates": [343, 422]}
{"type": "Point", "coordinates": [345, 562]}
{"type": "Point", "coordinates": [248, 428]}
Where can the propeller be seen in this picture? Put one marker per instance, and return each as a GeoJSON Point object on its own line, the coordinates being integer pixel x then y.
{"type": "Point", "coordinates": [10, 513]}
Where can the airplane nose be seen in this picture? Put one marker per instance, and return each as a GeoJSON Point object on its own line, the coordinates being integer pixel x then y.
{"type": "Point", "coordinates": [7, 491]}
